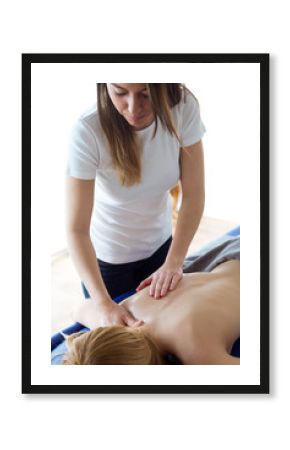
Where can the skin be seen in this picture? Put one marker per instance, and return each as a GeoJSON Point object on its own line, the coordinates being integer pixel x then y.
{"type": "Point", "coordinates": [198, 322]}
{"type": "Point", "coordinates": [132, 101]}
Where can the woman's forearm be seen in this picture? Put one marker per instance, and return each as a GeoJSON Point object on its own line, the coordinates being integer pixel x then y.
{"type": "Point", "coordinates": [84, 258]}
{"type": "Point", "coordinates": [189, 217]}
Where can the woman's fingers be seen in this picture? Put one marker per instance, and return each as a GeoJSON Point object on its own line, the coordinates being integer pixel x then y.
{"type": "Point", "coordinates": [138, 323]}
{"type": "Point", "coordinates": [144, 283]}
{"type": "Point", "coordinates": [156, 285]}
{"type": "Point", "coordinates": [129, 320]}
{"type": "Point", "coordinates": [175, 280]}
{"type": "Point", "coordinates": [153, 285]}
{"type": "Point", "coordinates": [167, 282]}
{"type": "Point", "coordinates": [162, 284]}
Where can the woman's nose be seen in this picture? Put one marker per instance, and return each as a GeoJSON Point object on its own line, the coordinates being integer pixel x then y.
{"type": "Point", "coordinates": [134, 105]}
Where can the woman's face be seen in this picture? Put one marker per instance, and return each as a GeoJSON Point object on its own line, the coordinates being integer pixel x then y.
{"type": "Point", "coordinates": [132, 101]}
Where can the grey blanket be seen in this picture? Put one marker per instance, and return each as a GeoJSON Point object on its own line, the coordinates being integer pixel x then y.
{"type": "Point", "coordinates": [216, 252]}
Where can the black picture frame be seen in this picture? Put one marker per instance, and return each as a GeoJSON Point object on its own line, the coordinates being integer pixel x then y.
{"type": "Point", "coordinates": [258, 58]}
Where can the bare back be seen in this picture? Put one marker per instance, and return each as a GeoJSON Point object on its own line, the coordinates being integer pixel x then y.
{"type": "Point", "coordinates": [205, 307]}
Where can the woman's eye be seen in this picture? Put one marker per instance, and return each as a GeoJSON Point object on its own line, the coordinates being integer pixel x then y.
{"type": "Point", "coordinates": [120, 94]}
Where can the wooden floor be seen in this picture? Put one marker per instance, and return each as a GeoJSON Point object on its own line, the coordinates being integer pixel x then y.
{"type": "Point", "coordinates": [66, 288]}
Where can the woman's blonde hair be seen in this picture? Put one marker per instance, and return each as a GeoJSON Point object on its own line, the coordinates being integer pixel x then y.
{"type": "Point", "coordinates": [112, 345]}
{"type": "Point", "coordinates": [124, 148]}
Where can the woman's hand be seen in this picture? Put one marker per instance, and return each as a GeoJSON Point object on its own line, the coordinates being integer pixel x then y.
{"type": "Point", "coordinates": [114, 314]}
{"type": "Point", "coordinates": [165, 279]}
{"type": "Point", "coordinates": [92, 315]}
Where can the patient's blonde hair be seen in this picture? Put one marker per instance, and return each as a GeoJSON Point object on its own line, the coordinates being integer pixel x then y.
{"type": "Point", "coordinates": [112, 345]}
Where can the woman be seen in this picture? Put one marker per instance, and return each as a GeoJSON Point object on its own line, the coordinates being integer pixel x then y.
{"type": "Point", "coordinates": [124, 158]}
{"type": "Point", "coordinates": [198, 322]}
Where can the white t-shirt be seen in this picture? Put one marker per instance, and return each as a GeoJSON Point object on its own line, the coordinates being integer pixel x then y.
{"type": "Point", "coordinates": [131, 223]}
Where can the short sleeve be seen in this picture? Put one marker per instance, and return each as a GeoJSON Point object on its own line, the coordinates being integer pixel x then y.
{"type": "Point", "coordinates": [192, 127]}
{"type": "Point", "coordinates": [83, 152]}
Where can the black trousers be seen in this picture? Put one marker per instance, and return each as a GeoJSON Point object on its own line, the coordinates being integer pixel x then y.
{"type": "Point", "coordinates": [122, 278]}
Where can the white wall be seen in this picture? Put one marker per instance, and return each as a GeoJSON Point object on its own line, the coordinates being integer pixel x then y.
{"type": "Point", "coordinates": [58, 97]}
{"type": "Point", "coordinates": [229, 100]}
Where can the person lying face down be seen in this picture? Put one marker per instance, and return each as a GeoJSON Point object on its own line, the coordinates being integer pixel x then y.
{"type": "Point", "coordinates": [198, 323]}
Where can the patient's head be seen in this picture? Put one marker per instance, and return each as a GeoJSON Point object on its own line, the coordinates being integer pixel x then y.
{"type": "Point", "coordinates": [112, 345]}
